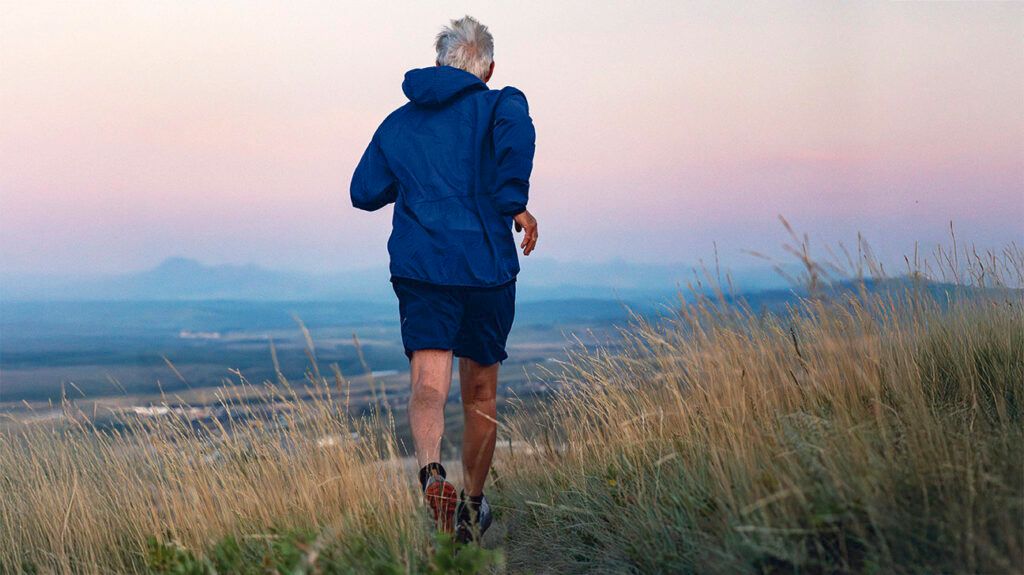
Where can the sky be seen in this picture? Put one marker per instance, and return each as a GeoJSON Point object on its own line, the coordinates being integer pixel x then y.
{"type": "Point", "coordinates": [228, 131]}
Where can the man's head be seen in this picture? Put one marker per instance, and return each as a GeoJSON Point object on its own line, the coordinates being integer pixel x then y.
{"type": "Point", "coordinates": [468, 45]}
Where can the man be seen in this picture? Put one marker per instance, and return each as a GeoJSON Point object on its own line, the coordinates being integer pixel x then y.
{"type": "Point", "coordinates": [456, 162]}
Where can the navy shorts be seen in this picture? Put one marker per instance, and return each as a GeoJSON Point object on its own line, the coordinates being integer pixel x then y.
{"type": "Point", "coordinates": [472, 322]}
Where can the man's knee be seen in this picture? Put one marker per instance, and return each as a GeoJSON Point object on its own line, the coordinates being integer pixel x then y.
{"type": "Point", "coordinates": [479, 385]}
{"type": "Point", "coordinates": [479, 391]}
{"type": "Point", "coordinates": [481, 399]}
{"type": "Point", "coordinates": [427, 397]}
{"type": "Point", "coordinates": [480, 394]}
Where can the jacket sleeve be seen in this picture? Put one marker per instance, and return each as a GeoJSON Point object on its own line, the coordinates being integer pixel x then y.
{"type": "Point", "coordinates": [514, 143]}
{"type": "Point", "coordinates": [373, 184]}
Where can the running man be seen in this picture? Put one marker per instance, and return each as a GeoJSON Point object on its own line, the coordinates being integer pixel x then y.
{"type": "Point", "coordinates": [456, 161]}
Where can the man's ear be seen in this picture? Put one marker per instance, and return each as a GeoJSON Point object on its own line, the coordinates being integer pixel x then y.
{"type": "Point", "coordinates": [490, 72]}
{"type": "Point", "coordinates": [436, 63]}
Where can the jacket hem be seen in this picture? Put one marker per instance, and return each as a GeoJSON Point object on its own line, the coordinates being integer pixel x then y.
{"type": "Point", "coordinates": [498, 284]}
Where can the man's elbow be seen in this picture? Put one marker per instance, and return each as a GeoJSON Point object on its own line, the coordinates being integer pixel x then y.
{"type": "Point", "coordinates": [357, 202]}
{"type": "Point", "coordinates": [360, 199]}
{"type": "Point", "coordinates": [365, 205]}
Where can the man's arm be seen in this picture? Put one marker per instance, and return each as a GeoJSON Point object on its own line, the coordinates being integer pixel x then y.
{"type": "Point", "coordinates": [514, 142]}
{"type": "Point", "coordinates": [373, 184]}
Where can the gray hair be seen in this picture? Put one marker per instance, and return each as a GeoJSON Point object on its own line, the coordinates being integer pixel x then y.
{"type": "Point", "coordinates": [467, 45]}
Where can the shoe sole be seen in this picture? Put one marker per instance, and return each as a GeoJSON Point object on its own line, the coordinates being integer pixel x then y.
{"type": "Point", "coordinates": [442, 499]}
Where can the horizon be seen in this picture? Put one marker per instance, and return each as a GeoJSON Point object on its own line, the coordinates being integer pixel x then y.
{"type": "Point", "coordinates": [228, 133]}
{"type": "Point", "coordinates": [179, 278]}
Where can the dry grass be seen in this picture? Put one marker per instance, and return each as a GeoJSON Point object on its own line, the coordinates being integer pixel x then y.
{"type": "Point", "coordinates": [871, 431]}
{"type": "Point", "coordinates": [861, 431]}
{"type": "Point", "coordinates": [80, 499]}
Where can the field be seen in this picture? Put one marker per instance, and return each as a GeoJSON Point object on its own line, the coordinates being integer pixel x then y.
{"type": "Point", "coordinates": [868, 426]}
{"type": "Point", "coordinates": [107, 357]}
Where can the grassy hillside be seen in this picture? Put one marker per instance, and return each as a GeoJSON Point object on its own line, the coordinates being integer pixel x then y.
{"type": "Point", "coordinates": [861, 435]}
{"type": "Point", "coordinates": [857, 431]}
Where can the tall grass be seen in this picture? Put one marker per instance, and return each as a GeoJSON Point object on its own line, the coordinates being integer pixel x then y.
{"type": "Point", "coordinates": [78, 498]}
{"type": "Point", "coordinates": [861, 430]}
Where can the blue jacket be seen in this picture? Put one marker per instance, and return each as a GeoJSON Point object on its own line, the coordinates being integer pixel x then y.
{"type": "Point", "coordinates": [456, 161]}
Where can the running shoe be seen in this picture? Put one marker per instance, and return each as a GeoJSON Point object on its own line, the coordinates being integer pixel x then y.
{"type": "Point", "coordinates": [473, 519]}
{"type": "Point", "coordinates": [441, 499]}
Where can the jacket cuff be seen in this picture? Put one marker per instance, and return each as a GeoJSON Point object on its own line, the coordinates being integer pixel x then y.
{"type": "Point", "coordinates": [512, 197]}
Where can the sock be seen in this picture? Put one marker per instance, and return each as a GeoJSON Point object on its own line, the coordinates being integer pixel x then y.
{"type": "Point", "coordinates": [473, 503]}
{"type": "Point", "coordinates": [427, 470]}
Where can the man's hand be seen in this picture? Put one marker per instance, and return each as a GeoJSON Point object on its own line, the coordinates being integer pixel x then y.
{"type": "Point", "coordinates": [525, 221]}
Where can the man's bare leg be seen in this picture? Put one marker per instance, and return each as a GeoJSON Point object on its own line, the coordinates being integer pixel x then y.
{"type": "Point", "coordinates": [431, 375]}
{"type": "Point", "coordinates": [479, 405]}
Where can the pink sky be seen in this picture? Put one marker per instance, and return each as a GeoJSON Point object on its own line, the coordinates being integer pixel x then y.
{"type": "Point", "coordinates": [130, 132]}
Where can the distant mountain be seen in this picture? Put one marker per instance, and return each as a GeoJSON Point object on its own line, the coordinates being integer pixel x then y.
{"type": "Point", "coordinates": [183, 279]}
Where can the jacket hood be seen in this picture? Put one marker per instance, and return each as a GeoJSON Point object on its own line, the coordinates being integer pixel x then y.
{"type": "Point", "coordinates": [438, 85]}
